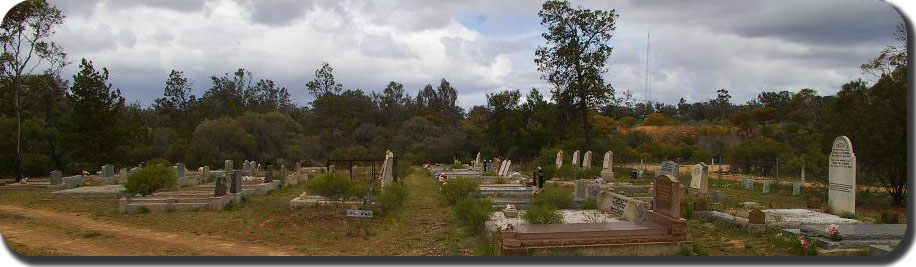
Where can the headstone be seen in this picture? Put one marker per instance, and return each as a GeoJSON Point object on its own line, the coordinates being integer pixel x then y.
{"type": "Point", "coordinates": [180, 169]}
{"type": "Point", "coordinates": [124, 172]}
{"type": "Point", "coordinates": [699, 178]}
{"type": "Point", "coordinates": [143, 164]}
{"type": "Point", "coordinates": [227, 166]}
{"type": "Point", "coordinates": [477, 162]}
{"type": "Point", "coordinates": [796, 189]}
{"type": "Point", "coordinates": [388, 168]}
{"type": "Point", "coordinates": [667, 200]}
{"type": "Point", "coordinates": [505, 168]}
{"type": "Point", "coordinates": [575, 159]}
{"type": "Point", "coordinates": [748, 183]}
{"type": "Point", "coordinates": [766, 186]}
{"type": "Point", "coordinates": [581, 189]}
{"type": "Point", "coordinates": [204, 174]}
{"type": "Point", "coordinates": [107, 170]}
{"type": "Point", "coordinates": [245, 165]}
{"type": "Point", "coordinates": [841, 196]}
{"type": "Point", "coordinates": [298, 166]}
{"type": "Point", "coordinates": [756, 216]}
{"type": "Point", "coordinates": [587, 160]}
{"type": "Point", "coordinates": [668, 168]}
{"type": "Point", "coordinates": [803, 174]}
{"type": "Point", "coordinates": [236, 184]}
{"type": "Point", "coordinates": [268, 175]}
{"type": "Point", "coordinates": [559, 159]}
{"type": "Point", "coordinates": [220, 188]}
{"type": "Point", "coordinates": [607, 166]}
{"type": "Point", "coordinates": [56, 177]}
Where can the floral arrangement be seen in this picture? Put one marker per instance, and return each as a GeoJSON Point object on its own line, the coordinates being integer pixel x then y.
{"type": "Point", "coordinates": [834, 231]}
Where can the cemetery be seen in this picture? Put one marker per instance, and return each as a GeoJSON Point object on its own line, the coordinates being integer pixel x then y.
{"type": "Point", "coordinates": [519, 140]}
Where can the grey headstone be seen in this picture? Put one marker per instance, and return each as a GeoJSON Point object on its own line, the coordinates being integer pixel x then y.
{"type": "Point", "coordinates": [56, 177]}
{"type": "Point", "coordinates": [668, 168]}
{"type": "Point", "coordinates": [841, 196]}
{"type": "Point", "coordinates": [236, 185]}
{"type": "Point", "coordinates": [796, 189]}
{"type": "Point", "coordinates": [227, 166]}
{"type": "Point", "coordinates": [268, 175]}
{"type": "Point", "coordinates": [107, 170]}
{"type": "Point", "coordinates": [220, 188]}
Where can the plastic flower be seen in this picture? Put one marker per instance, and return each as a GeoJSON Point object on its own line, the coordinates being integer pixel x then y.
{"type": "Point", "coordinates": [804, 241]}
{"type": "Point", "coordinates": [833, 229]}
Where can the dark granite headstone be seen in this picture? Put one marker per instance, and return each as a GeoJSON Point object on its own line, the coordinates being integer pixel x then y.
{"type": "Point", "coordinates": [236, 183]}
{"type": "Point", "coordinates": [220, 189]}
{"type": "Point", "coordinates": [56, 177]}
{"type": "Point", "coordinates": [269, 174]}
{"type": "Point", "coordinates": [757, 216]}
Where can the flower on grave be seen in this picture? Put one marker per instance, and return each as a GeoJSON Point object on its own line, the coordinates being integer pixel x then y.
{"type": "Point", "coordinates": [509, 227]}
{"type": "Point", "coordinates": [24, 180]}
{"type": "Point", "coordinates": [599, 180]}
{"type": "Point", "coordinates": [804, 241]}
{"type": "Point", "coordinates": [834, 231]}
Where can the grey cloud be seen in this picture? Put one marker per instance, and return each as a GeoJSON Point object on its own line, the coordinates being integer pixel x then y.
{"type": "Point", "coordinates": [186, 6]}
{"type": "Point", "coordinates": [483, 50]}
{"type": "Point", "coordinates": [385, 46]}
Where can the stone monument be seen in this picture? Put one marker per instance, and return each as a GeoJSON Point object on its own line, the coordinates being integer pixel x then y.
{"type": "Point", "coordinates": [699, 178]}
{"type": "Point", "coordinates": [841, 196]}
{"type": "Point", "coordinates": [607, 166]}
{"type": "Point", "coordinates": [587, 160]}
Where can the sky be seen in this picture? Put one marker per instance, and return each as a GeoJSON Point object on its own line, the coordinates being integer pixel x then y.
{"type": "Point", "coordinates": [480, 46]}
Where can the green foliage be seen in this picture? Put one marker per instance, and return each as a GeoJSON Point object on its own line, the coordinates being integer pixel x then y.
{"type": "Point", "coordinates": [457, 166]}
{"type": "Point", "coordinates": [159, 162]}
{"type": "Point", "coordinates": [472, 213]}
{"type": "Point", "coordinates": [543, 213]}
{"type": "Point", "coordinates": [655, 119]}
{"type": "Point", "coordinates": [143, 210]}
{"type": "Point", "coordinates": [457, 189]}
{"type": "Point", "coordinates": [335, 186]}
{"type": "Point", "coordinates": [489, 173]}
{"type": "Point", "coordinates": [558, 197]}
{"type": "Point", "coordinates": [392, 197]}
{"type": "Point", "coordinates": [590, 204]}
{"type": "Point", "coordinates": [149, 180]}
{"type": "Point", "coordinates": [91, 136]}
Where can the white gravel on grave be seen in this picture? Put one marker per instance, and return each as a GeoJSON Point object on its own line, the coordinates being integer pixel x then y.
{"type": "Point", "coordinates": [805, 216]}
{"type": "Point", "coordinates": [569, 216]}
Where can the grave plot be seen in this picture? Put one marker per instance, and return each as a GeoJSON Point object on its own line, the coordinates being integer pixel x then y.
{"type": "Point", "coordinates": [211, 196]}
{"type": "Point", "coordinates": [369, 174]}
{"type": "Point", "coordinates": [852, 239]}
{"type": "Point", "coordinates": [661, 232]}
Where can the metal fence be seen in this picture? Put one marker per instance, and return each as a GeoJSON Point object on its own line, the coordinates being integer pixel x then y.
{"type": "Point", "coordinates": [365, 171]}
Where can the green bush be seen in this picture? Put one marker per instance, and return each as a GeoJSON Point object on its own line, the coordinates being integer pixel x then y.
{"type": "Point", "coordinates": [148, 180]}
{"type": "Point", "coordinates": [559, 197]}
{"type": "Point", "coordinates": [334, 186]}
{"type": "Point", "coordinates": [158, 162]}
{"type": "Point", "coordinates": [489, 173]}
{"type": "Point", "coordinates": [392, 197]}
{"type": "Point", "coordinates": [590, 204]}
{"type": "Point", "coordinates": [500, 180]}
{"type": "Point", "coordinates": [456, 189]}
{"type": "Point", "coordinates": [142, 210]}
{"type": "Point", "coordinates": [543, 213]}
{"type": "Point", "coordinates": [472, 213]}
{"type": "Point", "coordinates": [457, 166]}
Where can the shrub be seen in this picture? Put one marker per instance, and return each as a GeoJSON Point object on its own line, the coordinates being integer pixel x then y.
{"type": "Point", "coordinates": [590, 204]}
{"type": "Point", "coordinates": [392, 197]}
{"type": "Point", "coordinates": [334, 186]}
{"type": "Point", "coordinates": [472, 213]}
{"type": "Point", "coordinates": [159, 162]}
{"type": "Point", "coordinates": [143, 210]}
{"type": "Point", "coordinates": [543, 213]}
{"type": "Point", "coordinates": [457, 166]}
{"type": "Point", "coordinates": [457, 189]}
{"type": "Point", "coordinates": [149, 180]}
{"type": "Point", "coordinates": [500, 180]}
{"type": "Point", "coordinates": [559, 197]}
{"type": "Point", "coordinates": [489, 173]}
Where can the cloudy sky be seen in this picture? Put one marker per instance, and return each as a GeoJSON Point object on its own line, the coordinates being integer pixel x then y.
{"type": "Point", "coordinates": [481, 46]}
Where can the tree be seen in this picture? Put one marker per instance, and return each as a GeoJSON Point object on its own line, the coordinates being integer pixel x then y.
{"type": "Point", "coordinates": [94, 133]}
{"type": "Point", "coordinates": [175, 106]}
{"type": "Point", "coordinates": [323, 83]}
{"type": "Point", "coordinates": [575, 58]}
{"type": "Point", "coordinates": [24, 35]}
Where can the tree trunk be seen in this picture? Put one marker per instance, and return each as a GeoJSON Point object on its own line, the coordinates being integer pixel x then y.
{"type": "Point", "coordinates": [18, 130]}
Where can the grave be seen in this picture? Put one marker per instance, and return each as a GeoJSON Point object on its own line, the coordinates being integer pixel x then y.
{"type": "Point", "coordinates": [559, 159]}
{"type": "Point", "coordinates": [104, 191]}
{"type": "Point", "coordinates": [699, 178]}
{"type": "Point", "coordinates": [668, 168]}
{"type": "Point", "coordinates": [662, 233]}
{"type": "Point", "coordinates": [211, 196]}
{"type": "Point", "coordinates": [587, 160]}
{"type": "Point", "coordinates": [56, 177]}
{"type": "Point", "coordinates": [607, 166]}
{"type": "Point", "coordinates": [857, 238]}
{"type": "Point", "coordinates": [575, 159]}
{"type": "Point", "coordinates": [841, 196]}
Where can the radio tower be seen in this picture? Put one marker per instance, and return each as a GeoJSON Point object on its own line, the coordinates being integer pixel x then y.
{"type": "Point", "coordinates": [648, 90]}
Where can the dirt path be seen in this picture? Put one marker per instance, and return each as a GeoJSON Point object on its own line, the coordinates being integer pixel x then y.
{"type": "Point", "coordinates": [79, 235]}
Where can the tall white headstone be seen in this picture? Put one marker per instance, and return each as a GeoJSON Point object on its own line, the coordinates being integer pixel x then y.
{"type": "Point", "coordinates": [587, 160]}
{"type": "Point", "coordinates": [559, 159]}
{"type": "Point", "coordinates": [575, 159]}
{"type": "Point", "coordinates": [841, 196]}
{"type": "Point", "coordinates": [699, 178]}
{"type": "Point", "coordinates": [477, 162]}
{"type": "Point", "coordinates": [607, 166]}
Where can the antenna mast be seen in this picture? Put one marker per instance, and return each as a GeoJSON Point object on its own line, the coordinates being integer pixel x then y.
{"type": "Point", "coordinates": [648, 90]}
